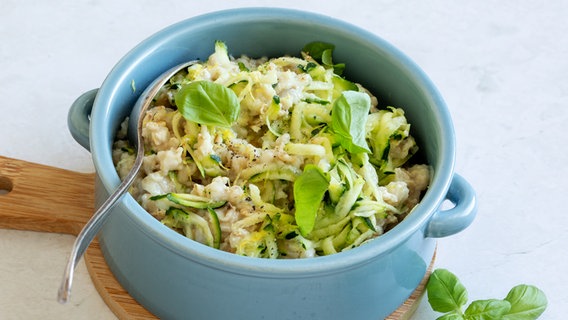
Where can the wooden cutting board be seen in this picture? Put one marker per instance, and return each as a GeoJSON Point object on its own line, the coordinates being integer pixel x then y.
{"type": "Point", "coordinates": [41, 198]}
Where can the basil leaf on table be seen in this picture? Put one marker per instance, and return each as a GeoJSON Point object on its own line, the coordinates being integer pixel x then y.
{"type": "Point", "coordinates": [348, 119]}
{"type": "Point", "coordinates": [451, 316]}
{"type": "Point", "coordinates": [491, 309]}
{"type": "Point", "coordinates": [309, 189]}
{"type": "Point", "coordinates": [208, 103]}
{"type": "Point", "coordinates": [445, 292]}
{"type": "Point", "coordinates": [527, 302]}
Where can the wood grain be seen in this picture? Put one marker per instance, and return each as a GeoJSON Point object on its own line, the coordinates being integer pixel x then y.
{"type": "Point", "coordinates": [41, 198]}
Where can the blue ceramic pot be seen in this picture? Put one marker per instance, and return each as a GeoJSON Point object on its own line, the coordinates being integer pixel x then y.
{"type": "Point", "coordinates": [176, 278]}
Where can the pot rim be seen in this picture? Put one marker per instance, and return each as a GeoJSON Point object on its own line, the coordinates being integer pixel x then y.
{"type": "Point", "coordinates": [170, 240]}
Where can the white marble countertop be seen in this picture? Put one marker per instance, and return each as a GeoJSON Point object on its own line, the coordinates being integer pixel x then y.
{"type": "Point", "coordinates": [502, 67]}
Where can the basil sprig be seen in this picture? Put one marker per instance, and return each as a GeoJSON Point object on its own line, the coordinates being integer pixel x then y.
{"type": "Point", "coordinates": [446, 294]}
{"type": "Point", "coordinates": [208, 103]}
{"type": "Point", "coordinates": [348, 119]}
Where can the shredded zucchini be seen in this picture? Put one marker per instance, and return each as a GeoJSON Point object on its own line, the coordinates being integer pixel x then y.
{"type": "Point", "coordinates": [275, 158]}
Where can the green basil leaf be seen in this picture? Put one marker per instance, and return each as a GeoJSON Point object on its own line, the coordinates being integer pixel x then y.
{"type": "Point", "coordinates": [326, 57]}
{"type": "Point", "coordinates": [327, 61]}
{"type": "Point", "coordinates": [322, 53]}
{"type": "Point", "coordinates": [348, 118]}
{"type": "Point", "coordinates": [445, 291]}
{"type": "Point", "coordinates": [527, 303]}
{"type": "Point", "coordinates": [451, 316]}
{"type": "Point", "coordinates": [208, 103]}
{"type": "Point", "coordinates": [316, 49]}
{"type": "Point", "coordinates": [309, 189]}
{"type": "Point", "coordinates": [491, 309]}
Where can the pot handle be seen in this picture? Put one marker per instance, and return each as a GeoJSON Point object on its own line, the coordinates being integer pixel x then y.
{"type": "Point", "coordinates": [79, 117]}
{"type": "Point", "coordinates": [447, 222]}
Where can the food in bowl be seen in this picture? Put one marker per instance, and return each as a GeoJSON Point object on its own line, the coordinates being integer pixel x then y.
{"type": "Point", "coordinates": [274, 157]}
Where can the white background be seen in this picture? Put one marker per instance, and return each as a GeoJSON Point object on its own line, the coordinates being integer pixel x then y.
{"type": "Point", "coordinates": [502, 67]}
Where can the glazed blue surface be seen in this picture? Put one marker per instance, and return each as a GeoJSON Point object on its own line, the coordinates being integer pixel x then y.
{"type": "Point", "coordinates": [174, 277]}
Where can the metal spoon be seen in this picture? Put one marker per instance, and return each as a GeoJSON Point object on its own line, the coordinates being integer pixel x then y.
{"type": "Point", "coordinates": [93, 226]}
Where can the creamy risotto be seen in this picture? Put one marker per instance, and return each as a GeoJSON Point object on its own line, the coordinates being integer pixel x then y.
{"type": "Point", "coordinates": [274, 158]}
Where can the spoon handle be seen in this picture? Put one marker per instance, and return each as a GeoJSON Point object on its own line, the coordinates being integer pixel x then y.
{"type": "Point", "coordinates": [92, 228]}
